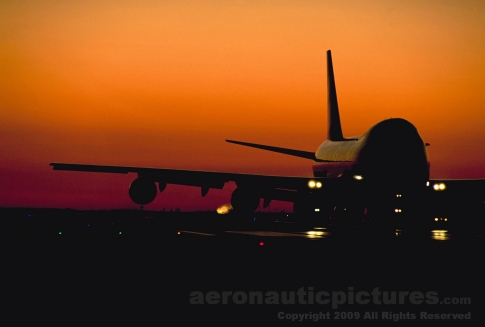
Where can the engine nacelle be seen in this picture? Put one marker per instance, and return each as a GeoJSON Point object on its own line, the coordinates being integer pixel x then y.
{"type": "Point", "coordinates": [143, 191]}
{"type": "Point", "coordinates": [244, 201]}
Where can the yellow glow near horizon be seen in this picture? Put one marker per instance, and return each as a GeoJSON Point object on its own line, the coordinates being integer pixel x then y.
{"type": "Point", "coordinates": [224, 209]}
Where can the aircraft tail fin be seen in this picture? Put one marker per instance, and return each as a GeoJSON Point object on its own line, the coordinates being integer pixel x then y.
{"type": "Point", "coordinates": [334, 132]}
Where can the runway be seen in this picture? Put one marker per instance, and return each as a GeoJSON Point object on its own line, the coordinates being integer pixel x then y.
{"type": "Point", "coordinates": [149, 271]}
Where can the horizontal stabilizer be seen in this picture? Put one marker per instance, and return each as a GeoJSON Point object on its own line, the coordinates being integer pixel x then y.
{"type": "Point", "coordinates": [291, 152]}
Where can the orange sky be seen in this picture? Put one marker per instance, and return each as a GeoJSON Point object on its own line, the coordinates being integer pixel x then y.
{"type": "Point", "coordinates": [163, 84]}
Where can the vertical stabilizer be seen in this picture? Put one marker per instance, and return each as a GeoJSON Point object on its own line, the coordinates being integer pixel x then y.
{"type": "Point", "coordinates": [334, 127]}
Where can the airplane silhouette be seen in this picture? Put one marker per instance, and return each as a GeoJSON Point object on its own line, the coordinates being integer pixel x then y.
{"type": "Point", "coordinates": [385, 171]}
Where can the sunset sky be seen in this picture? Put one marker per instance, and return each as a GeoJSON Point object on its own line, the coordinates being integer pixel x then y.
{"type": "Point", "coordinates": [164, 83]}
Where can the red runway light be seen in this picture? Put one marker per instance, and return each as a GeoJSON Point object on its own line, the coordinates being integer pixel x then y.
{"type": "Point", "coordinates": [261, 243]}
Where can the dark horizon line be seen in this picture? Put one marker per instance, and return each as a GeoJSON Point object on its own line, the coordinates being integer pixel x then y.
{"type": "Point", "coordinates": [176, 210]}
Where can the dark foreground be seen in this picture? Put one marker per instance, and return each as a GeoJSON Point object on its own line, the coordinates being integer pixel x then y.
{"type": "Point", "coordinates": [138, 267]}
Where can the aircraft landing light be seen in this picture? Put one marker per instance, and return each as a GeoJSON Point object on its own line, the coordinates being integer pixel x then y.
{"type": "Point", "coordinates": [439, 186]}
{"type": "Point", "coordinates": [314, 184]}
{"type": "Point", "coordinates": [441, 218]}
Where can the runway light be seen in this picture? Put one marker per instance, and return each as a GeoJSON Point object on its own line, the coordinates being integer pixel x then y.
{"type": "Point", "coordinates": [398, 196]}
{"type": "Point", "coordinates": [261, 243]}
{"type": "Point", "coordinates": [397, 210]}
{"type": "Point", "coordinates": [358, 177]}
{"type": "Point", "coordinates": [318, 184]}
{"type": "Point", "coordinates": [436, 219]}
{"type": "Point", "coordinates": [178, 233]}
{"type": "Point", "coordinates": [317, 210]}
{"type": "Point", "coordinates": [120, 233]}
{"type": "Point", "coordinates": [427, 183]}
{"type": "Point", "coordinates": [446, 219]}
{"type": "Point", "coordinates": [311, 184]}
{"type": "Point", "coordinates": [60, 233]}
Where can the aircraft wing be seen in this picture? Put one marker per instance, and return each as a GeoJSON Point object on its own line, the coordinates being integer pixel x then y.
{"type": "Point", "coordinates": [275, 187]}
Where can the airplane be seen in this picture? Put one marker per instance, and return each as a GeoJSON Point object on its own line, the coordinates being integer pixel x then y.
{"type": "Point", "coordinates": [380, 174]}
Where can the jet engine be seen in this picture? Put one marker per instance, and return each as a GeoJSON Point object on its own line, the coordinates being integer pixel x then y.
{"type": "Point", "coordinates": [143, 191]}
{"type": "Point", "coordinates": [244, 201]}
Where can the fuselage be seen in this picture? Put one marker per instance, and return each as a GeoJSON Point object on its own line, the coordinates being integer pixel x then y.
{"type": "Point", "coordinates": [392, 151]}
